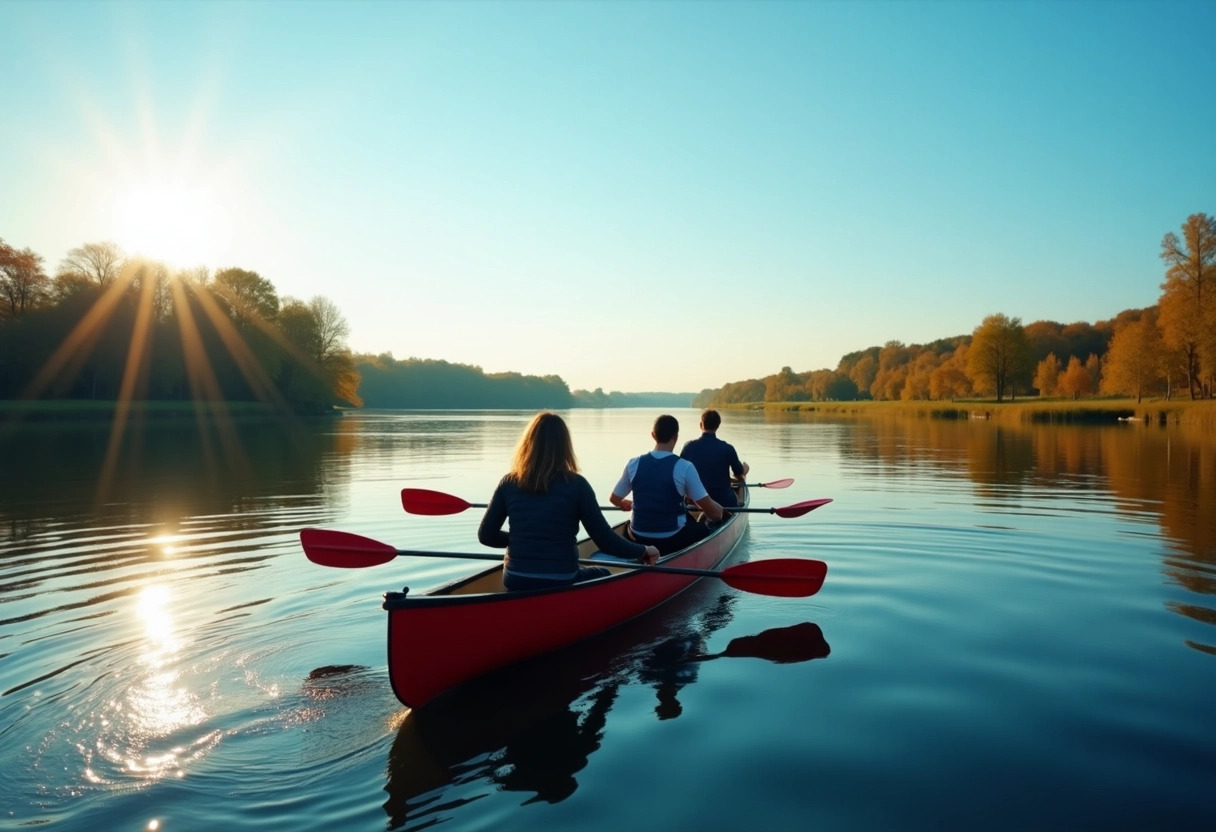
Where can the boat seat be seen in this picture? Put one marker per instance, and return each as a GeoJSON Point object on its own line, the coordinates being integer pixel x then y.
{"type": "Point", "coordinates": [607, 558]}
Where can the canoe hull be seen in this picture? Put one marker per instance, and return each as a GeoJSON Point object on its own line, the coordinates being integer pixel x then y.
{"type": "Point", "coordinates": [440, 639]}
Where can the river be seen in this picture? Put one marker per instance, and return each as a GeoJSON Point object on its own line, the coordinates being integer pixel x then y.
{"type": "Point", "coordinates": [1017, 631]}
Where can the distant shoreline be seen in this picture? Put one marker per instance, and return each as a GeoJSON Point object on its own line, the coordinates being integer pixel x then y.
{"type": "Point", "coordinates": [1200, 412]}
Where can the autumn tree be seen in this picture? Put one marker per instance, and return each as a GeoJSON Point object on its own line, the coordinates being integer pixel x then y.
{"type": "Point", "coordinates": [784, 386]}
{"type": "Point", "coordinates": [838, 387]}
{"type": "Point", "coordinates": [1047, 375]}
{"type": "Point", "coordinates": [1093, 366]}
{"type": "Point", "coordinates": [1047, 338]}
{"type": "Point", "coordinates": [1076, 380]}
{"type": "Point", "coordinates": [68, 285]}
{"type": "Point", "coordinates": [862, 373]}
{"type": "Point", "coordinates": [739, 392]}
{"type": "Point", "coordinates": [1188, 298]}
{"type": "Point", "coordinates": [1084, 338]}
{"type": "Point", "coordinates": [299, 326]}
{"type": "Point", "coordinates": [332, 328]}
{"type": "Point", "coordinates": [23, 283]}
{"type": "Point", "coordinates": [916, 385]}
{"type": "Point", "coordinates": [95, 263]}
{"type": "Point", "coordinates": [949, 379]}
{"type": "Point", "coordinates": [999, 354]}
{"type": "Point", "coordinates": [892, 371]}
{"type": "Point", "coordinates": [1135, 359]}
{"type": "Point", "coordinates": [318, 331]}
{"type": "Point", "coordinates": [250, 295]}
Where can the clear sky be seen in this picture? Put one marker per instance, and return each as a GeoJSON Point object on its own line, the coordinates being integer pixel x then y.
{"type": "Point", "coordinates": [632, 195]}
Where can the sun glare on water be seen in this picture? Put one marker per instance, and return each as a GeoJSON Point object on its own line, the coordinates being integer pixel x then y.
{"type": "Point", "coordinates": [180, 225]}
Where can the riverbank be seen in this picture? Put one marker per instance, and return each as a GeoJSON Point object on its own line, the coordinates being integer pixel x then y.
{"type": "Point", "coordinates": [1068, 411]}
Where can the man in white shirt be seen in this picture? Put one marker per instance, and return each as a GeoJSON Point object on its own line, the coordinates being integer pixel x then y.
{"type": "Point", "coordinates": [661, 482]}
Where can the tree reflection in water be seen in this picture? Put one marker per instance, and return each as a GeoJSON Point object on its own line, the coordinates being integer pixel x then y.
{"type": "Point", "coordinates": [531, 727]}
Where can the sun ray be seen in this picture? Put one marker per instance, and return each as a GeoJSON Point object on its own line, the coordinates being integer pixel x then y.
{"type": "Point", "coordinates": [204, 385]}
{"type": "Point", "coordinates": [78, 345]}
{"type": "Point", "coordinates": [246, 362]}
{"type": "Point", "coordinates": [136, 366]}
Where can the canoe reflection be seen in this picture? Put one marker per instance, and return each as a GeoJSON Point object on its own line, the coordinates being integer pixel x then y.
{"type": "Point", "coordinates": [531, 728]}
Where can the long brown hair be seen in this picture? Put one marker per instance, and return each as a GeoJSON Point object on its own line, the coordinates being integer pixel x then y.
{"type": "Point", "coordinates": [544, 452]}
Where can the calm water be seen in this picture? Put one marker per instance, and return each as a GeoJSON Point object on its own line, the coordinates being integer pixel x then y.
{"type": "Point", "coordinates": [1018, 631]}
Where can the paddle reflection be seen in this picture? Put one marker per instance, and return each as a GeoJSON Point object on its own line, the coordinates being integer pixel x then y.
{"type": "Point", "coordinates": [673, 664]}
{"type": "Point", "coordinates": [531, 728]}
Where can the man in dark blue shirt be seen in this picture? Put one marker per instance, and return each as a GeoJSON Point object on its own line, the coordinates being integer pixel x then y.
{"type": "Point", "coordinates": [715, 460]}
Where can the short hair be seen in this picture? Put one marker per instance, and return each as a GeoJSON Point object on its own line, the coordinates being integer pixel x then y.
{"type": "Point", "coordinates": [711, 420]}
{"type": "Point", "coordinates": [666, 428]}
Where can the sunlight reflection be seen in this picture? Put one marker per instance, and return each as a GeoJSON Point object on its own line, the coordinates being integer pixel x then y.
{"type": "Point", "coordinates": [165, 542]}
{"type": "Point", "coordinates": [158, 624]}
{"type": "Point", "coordinates": [158, 704]}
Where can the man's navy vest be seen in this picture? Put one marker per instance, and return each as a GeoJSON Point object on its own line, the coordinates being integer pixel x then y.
{"type": "Point", "coordinates": [657, 506]}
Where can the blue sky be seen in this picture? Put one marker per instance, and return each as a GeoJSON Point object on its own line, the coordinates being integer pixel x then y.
{"type": "Point", "coordinates": [631, 195]}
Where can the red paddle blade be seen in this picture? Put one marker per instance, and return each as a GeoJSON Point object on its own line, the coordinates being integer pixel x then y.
{"type": "Point", "coordinates": [425, 501]}
{"type": "Point", "coordinates": [785, 483]}
{"type": "Point", "coordinates": [783, 577]}
{"type": "Point", "coordinates": [343, 549]}
{"type": "Point", "coordinates": [799, 509]}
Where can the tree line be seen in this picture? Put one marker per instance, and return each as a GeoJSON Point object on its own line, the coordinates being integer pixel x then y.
{"type": "Point", "coordinates": [1156, 351]}
{"type": "Point", "coordinates": [106, 327]}
{"type": "Point", "coordinates": [434, 384]}
{"type": "Point", "coordinates": [110, 327]}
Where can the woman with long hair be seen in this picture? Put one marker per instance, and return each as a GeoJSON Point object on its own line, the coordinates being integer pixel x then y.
{"type": "Point", "coordinates": [545, 498]}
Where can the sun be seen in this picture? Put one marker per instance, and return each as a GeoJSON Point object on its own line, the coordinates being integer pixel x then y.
{"type": "Point", "coordinates": [175, 223]}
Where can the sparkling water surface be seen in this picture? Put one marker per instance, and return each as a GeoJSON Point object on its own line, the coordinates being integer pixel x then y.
{"type": "Point", "coordinates": [1017, 631]}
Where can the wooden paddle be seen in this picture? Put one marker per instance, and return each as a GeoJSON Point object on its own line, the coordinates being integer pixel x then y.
{"type": "Point", "coordinates": [782, 577]}
{"type": "Point", "coordinates": [425, 501]}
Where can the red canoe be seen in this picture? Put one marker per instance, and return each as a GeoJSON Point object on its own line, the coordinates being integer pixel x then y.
{"type": "Point", "coordinates": [442, 638]}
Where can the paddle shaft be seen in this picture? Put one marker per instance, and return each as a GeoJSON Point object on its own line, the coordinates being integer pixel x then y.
{"type": "Point", "coordinates": [728, 509]}
{"type": "Point", "coordinates": [783, 577]}
{"type": "Point", "coordinates": [671, 570]}
{"type": "Point", "coordinates": [427, 501]}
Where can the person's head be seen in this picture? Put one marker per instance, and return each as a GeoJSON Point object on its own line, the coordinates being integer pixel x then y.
{"type": "Point", "coordinates": [666, 429]}
{"type": "Point", "coordinates": [544, 452]}
{"type": "Point", "coordinates": [710, 420]}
